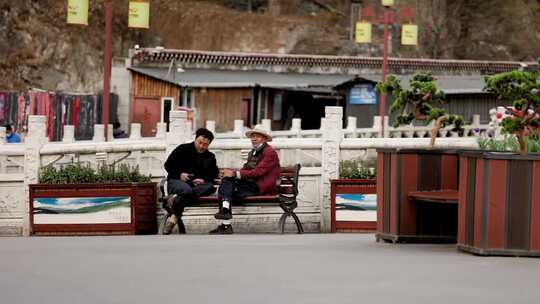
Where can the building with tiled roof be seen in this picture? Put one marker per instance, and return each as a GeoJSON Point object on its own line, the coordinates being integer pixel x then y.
{"type": "Point", "coordinates": [224, 86]}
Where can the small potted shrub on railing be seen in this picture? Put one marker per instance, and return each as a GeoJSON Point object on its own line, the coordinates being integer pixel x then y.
{"type": "Point", "coordinates": [500, 186]}
{"type": "Point", "coordinates": [417, 103]}
{"type": "Point", "coordinates": [523, 90]}
{"type": "Point", "coordinates": [76, 199]}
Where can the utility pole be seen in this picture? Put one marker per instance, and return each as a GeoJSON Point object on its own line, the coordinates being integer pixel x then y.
{"type": "Point", "coordinates": [107, 66]}
{"type": "Point", "coordinates": [408, 36]}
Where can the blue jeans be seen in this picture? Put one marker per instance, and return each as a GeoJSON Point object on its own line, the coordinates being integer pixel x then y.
{"type": "Point", "coordinates": [186, 192]}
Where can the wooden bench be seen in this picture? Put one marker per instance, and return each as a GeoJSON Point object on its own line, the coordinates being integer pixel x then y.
{"type": "Point", "coordinates": [285, 199]}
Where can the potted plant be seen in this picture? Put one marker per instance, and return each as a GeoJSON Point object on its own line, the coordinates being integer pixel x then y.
{"type": "Point", "coordinates": [403, 171]}
{"type": "Point", "coordinates": [353, 197]}
{"type": "Point", "coordinates": [499, 203]}
{"type": "Point", "coordinates": [76, 199]}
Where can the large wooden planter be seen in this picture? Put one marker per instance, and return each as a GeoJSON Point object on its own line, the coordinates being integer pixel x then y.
{"type": "Point", "coordinates": [354, 187]}
{"type": "Point", "coordinates": [499, 204]}
{"type": "Point", "coordinates": [91, 209]}
{"type": "Point", "coordinates": [400, 173]}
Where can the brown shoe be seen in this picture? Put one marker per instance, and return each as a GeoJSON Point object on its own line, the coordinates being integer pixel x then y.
{"type": "Point", "coordinates": [169, 224]}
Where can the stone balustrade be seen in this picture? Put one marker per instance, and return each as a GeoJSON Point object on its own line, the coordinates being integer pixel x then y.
{"type": "Point", "coordinates": [319, 152]}
{"type": "Point", "coordinates": [352, 131]}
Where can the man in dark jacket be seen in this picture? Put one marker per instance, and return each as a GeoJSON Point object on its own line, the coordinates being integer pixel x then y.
{"type": "Point", "coordinates": [191, 170]}
{"type": "Point", "coordinates": [258, 176]}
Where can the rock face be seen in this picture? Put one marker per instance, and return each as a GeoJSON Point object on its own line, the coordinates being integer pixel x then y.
{"type": "Point", "coordinates": [38, 49]}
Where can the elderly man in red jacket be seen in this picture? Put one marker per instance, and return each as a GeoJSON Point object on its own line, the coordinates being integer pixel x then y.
{"type": "Point", "coordinates": [258, 176]}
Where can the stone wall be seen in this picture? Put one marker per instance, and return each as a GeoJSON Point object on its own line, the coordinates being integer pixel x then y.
{"type": "Point", "coordinates": [319, 157]}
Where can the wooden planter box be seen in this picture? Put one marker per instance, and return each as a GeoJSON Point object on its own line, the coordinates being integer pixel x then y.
{"type": "Point", "coordinates": [93, 209]}
{"type": "Point", "coordinates": [354, 187]}
{"type": "Point", "coordinates": [499, 204]}
{"type": "Point", "coordinates": [402, 172]}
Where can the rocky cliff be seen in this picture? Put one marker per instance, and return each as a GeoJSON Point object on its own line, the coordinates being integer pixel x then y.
{"type": "Point", "coordinates": [38, 49]}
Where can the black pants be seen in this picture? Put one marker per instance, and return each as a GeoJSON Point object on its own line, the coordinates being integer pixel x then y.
{"type": "Point", "coordinates": [232, 189]}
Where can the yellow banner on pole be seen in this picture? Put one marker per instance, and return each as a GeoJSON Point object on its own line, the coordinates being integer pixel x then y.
{"type": "Point", "coordinates": [139, 14]}
{"type": "Point", "coordinates": [363, 32]}
{"type": "Point", "coordinates": [77, 12]}
{"type": "Point", "coordinates": [409, 34]}
{"type": "Point", "coordinates": [387, 2]}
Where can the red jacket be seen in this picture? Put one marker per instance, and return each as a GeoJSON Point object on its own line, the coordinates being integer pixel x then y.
{"type": "Point", "coordinates": [266, 172]}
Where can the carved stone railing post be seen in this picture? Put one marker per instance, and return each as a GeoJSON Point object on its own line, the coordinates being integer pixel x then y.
{"type": "Point", "coordinates": [99, 133]}
{"type": "Point", "coordinates": [266, 124]}
{"type": "Point", "coordinates": [161, 130]}
{"type": "Point", "coordinates": [35, 139]}
{"type": "Point", "coordinates": [135, 132]}
{"type": "Point", "coordinates": [211, 125]}
{"type": "Point", "coordinates": [69, 134]}
{"type": "Point", "coordinates": [110, 130]}
{"type": "Point", "coordinates": [386, 127]}
{"type": "Point", "coordinates": [2, 135]}
{"type": "Point", "coordinates": [351, 126]}
{"type": "Point", "coordinates": [239, 127]}
{"type": "Point", "coordinates": [332, 136]}
{"type": "Point", "coordinates": [177, 130]}
{"type": "Point", "coordinates": [296, 126]}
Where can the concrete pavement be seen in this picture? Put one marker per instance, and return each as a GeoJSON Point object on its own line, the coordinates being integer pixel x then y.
{"type": "Point", "coordinates": [311, 268]}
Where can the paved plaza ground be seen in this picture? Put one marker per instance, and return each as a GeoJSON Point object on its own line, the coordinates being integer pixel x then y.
{"type": "Point", "coordinates": [311, 268]}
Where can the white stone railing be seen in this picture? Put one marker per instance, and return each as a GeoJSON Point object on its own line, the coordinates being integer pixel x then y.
{"type": "Point", "coordinates": [319, 156]}
{"type": "Point", "coordinates": [351, 131]}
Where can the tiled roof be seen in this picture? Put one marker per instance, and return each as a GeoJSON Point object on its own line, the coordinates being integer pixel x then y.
{"type": "Point", "coordinates": [161, 56]}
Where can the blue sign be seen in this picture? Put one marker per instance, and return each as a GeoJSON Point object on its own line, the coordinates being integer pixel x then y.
{"type": "Point", "coordinates": [362, 94]}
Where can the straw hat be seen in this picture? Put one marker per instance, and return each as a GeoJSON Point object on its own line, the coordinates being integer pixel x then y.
{"type": "Point", "coordinates": [259, 130]}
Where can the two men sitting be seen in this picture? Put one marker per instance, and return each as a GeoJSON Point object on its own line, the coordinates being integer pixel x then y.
{"type": "Point", "coordinates": [192, 168]}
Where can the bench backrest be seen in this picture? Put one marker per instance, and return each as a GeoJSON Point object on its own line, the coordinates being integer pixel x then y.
{"type": "Point", "coordinates": [288, 180]}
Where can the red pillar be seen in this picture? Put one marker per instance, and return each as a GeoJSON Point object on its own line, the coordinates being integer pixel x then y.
{"type": "Point", "coordinates": [107, 66]}
{"type": "Point", "coordinates": [382, 97]}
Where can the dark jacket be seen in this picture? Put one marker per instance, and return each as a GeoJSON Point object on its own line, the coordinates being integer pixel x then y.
{"type": "Point", "coordinates": [186, 159]}
{"type": "Point", "coordinates": [266, 172]}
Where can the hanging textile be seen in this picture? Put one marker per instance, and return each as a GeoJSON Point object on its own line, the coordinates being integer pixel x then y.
{"type": "Point", "coordinates": [3, 108]}
{"type": "Point", "coordinates": [81, 111]}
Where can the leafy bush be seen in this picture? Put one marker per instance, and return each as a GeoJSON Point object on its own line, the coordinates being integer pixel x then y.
{"type": "Point", "coordinates": [77, 174]}
{"type": "Point", "coordinates": [355, 169]}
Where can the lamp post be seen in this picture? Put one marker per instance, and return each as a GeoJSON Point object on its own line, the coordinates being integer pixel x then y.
{"type": "Point", "coordinates": [363, 35]}
{"type": "Point", "coordinates": [384, 68]}
{"type": "Point", "coordinates": [139, 15]}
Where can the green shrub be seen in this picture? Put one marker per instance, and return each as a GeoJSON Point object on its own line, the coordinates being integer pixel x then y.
{"type": "Point", "coordinates": [350, 169]}
{"type": "Point", "coordinates": [76, 174]}
{"type": "Point", "coordinates": [509, 143]}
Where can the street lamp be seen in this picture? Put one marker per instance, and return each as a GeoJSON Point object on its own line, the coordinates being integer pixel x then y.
{"type": "Point", "coordinates": [139, 16]}
{"type": "Point", "coordinates": [363, 35]}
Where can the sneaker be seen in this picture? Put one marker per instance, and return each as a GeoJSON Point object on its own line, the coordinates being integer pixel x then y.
{"type": "Point", "coordinates": [169, 224]}
{"type": "Point", "coordinates": [169, 203]}
{"type": "Point", "coordinates": [222, 229]}
{"type": "Point", "coordinates": [223, 214]}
